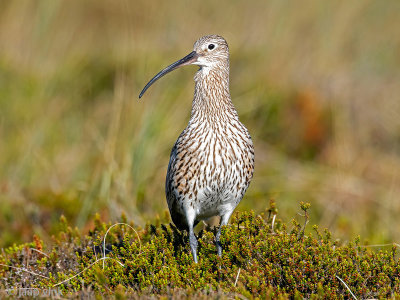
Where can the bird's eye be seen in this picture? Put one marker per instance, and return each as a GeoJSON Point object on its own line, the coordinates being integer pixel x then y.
{"type": "Point", "coordinates": [211, 46]}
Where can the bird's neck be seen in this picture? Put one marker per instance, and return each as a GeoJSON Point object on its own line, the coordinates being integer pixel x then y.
{"type": "Point", "coordinates": [212, 100]}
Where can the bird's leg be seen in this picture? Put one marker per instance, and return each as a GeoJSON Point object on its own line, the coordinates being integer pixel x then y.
{"type": "Point", "coordinates": [219, 247]}
{"type": "Point", "coordinates": [224, 221]}
{"type": "Point", "coordinates": [193, 242]}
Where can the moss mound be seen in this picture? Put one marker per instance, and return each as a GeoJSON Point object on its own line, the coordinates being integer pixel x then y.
{"type": "Point", "coordinates": [261, 258]}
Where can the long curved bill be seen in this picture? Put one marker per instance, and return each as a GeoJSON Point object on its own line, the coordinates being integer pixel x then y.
{"type": "Point", "coordinates": [187, 60]}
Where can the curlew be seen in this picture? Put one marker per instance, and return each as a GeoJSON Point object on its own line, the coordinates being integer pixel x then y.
{"type": "Point", "coordinates": [212, 162]}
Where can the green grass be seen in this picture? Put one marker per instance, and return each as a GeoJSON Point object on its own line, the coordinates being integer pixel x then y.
{"type": "Point", "coordinates": [262, 258]}
{"type": "Point", "coordinates": [315, 82]}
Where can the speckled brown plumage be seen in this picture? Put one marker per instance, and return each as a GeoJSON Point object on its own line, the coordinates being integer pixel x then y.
{"type": "Point", "coordinates": [212, 162]}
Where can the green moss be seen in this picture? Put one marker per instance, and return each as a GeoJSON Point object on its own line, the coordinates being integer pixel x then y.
{"type": "Point", "coordinates": [259, 260]}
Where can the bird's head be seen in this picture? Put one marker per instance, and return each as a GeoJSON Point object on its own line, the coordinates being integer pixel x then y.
{"type": "Point", "coordinates": [209, 52]}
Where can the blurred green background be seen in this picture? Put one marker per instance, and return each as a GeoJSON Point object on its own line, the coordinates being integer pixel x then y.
{"type": "Point", "coordinates": [317, 84]}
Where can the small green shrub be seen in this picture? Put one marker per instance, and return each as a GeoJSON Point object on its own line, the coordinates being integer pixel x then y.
{"type": "Point", "coordinates": [261, 258]}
